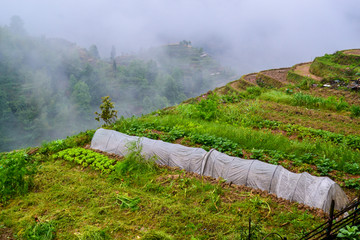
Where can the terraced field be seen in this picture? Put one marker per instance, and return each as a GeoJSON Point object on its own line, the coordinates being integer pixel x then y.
{"type": "Point", "coordinates": [289, 116]}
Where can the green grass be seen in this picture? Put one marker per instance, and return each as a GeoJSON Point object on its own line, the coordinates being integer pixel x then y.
{"type": "Point", "coordinates": [81, 203]}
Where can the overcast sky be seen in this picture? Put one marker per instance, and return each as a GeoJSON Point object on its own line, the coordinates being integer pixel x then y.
{"type": "Point", "coordinates": [250, 35]}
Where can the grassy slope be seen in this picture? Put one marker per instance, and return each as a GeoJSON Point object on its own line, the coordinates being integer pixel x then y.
{"type": "Point", "coordinates": [256, 123]}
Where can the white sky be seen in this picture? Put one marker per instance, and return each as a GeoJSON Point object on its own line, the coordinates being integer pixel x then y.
{"type": "Point", "coordinates": [249, 35]}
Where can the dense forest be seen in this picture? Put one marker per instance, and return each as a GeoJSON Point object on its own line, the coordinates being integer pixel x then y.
{"type": "Point", "coordinates": [50, 88]}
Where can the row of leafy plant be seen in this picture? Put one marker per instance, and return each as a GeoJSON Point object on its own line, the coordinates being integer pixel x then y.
{"type": "Point", "coordinates": [86, 157]}
{"type": "Point", "coordinates": [208, 141]}
{"type": "Point", "coordinates": [246, 115]}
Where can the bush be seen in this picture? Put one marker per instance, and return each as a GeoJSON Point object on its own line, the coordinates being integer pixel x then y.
{"type": "Point", "coordinates": [16, 174]}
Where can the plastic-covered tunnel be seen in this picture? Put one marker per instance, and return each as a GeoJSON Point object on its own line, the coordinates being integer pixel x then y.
{"type": "Point", "coordinates": [304, 188]}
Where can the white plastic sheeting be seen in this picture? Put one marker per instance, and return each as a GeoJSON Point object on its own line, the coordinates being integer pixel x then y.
{"type": "Point", "coordinates": [304, 188]}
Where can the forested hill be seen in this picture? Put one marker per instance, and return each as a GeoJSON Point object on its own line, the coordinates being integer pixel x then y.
{"type": "Point", "coordinates": [50, 88]}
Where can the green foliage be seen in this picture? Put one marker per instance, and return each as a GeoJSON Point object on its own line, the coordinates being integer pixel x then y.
{"type": "Point", "coordinates": [40, 231]}
{"type": "Point", "coordinates": [352, 168]}
{"type": "Point", "coordinates": [355, 111]}
{"type": "Point", "coordinates": [45, 95]}
{"type": "Point", "coordinates": [253, 91]}
{"type": "Point", "coordinates": [81, 96]}
{"type": "Point", "coordinates": [277, 96]}
{"type": "Point", "coordinates": [125, 201]}
{"type": "Point", "coordinates": [61, 144]}
{"type": "Point", "coordinates": [108, 115]}
{"type": "Point", "coordinates": [134, 165]}
{"type": "Point", "coordinates": [16, 174]}
{"type": "Point", "coordinates": [350, 233]}
{"type": "Point", "coordinates": [306, 83]}
{"type": "Point", "coordinates": [325, 165]}
{"type": "Point", "coordinates": [353, 183]}
{"type": "Point", "coordinates": [87, 158]}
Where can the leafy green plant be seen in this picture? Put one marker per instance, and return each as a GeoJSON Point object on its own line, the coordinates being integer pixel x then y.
{"type": "Point", "coordinates": [108, 115]}
{"type": "Point", "coordinates": [86, 157]}
{"type": "Point", "coordinates": [207, 108]}
{"type": "Point", "coordinates": [355, 111]}
{"type": "Point", "coordinates": [16, 174]}
{"type": "Point", "coordinates": [353, 183]}
{"type": "Point", "coordinates": [61, 144]}
{"type": "Point", "coordinates": [351, 233]}
{"type": "Point", "coordinates": [125, 201]}
{"type": "Point", "coordinates": [325, 165]}
{"type": "Point", "coordinates": [40, 231]}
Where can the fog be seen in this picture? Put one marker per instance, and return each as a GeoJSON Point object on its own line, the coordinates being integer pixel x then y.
{"type": "Point", "coordinates": [247, 35]}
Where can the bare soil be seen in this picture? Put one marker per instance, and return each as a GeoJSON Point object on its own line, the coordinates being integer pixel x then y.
{"type": "Point", "coordinates": [352, 52]}
{"type": "Point", "coordinates": [304, 70]}
{"type": "Point", "coordinates": [6, 234]}
{"type": "Point", "coordinates": [278, 74]}
{"type": "Point", "coordinates": [251, 77]}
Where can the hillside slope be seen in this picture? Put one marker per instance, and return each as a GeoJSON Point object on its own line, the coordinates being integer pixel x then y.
{"type": "Point", "coordinates": [304, 122]}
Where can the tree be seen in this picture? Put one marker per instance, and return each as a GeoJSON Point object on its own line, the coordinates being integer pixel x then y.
{"type": "Point", "coordinates": [17, 25]}
{"type": "Point", "coordinates": [173, 91]}
{"type": "Point", "coordinates": [93, 51]}
{"type": "Point", "coordinates": [81, 96]}
{"type": "Point", "coordinates": [113, 53]}
{"type": "Point", "coordinates": [108, 115]}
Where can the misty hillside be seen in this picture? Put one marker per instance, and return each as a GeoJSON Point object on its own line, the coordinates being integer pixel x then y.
{"type": "Point", "coordinates": [304, 118]}
{"type": "Point", "coordinates": [50, 88]}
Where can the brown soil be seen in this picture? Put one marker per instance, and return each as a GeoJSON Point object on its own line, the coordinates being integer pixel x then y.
{"type": "Point", "coordinates": [251, 77]}
{"type": "Point", "coordinates": [352, 52]}
{"type": "Point", "coordinates": [304, 70]}
{"type": "Point", "coordinates": [278, 74]}
{"type": "Point", "coordinates": [349, 97]}
{"type": "Point", "coordinates": [6, 234]}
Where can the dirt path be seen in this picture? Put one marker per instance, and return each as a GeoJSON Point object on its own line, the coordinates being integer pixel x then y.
{"type": "Point", "coordinates": [278, 74]}
{"type": "Point", "coordinates": [304, 70]}
{"type": "Point", "coordinates": [251, 78]}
